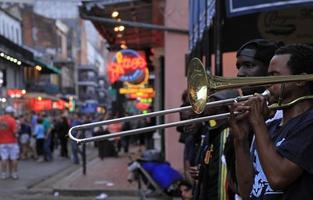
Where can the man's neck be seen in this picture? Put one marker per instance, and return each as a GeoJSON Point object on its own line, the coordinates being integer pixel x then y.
{"type": "Point", "coordinates": [295, 110]}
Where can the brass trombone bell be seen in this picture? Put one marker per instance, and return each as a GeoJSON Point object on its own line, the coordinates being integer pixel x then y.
{"type": "Point", "coordinates": [202, 84]}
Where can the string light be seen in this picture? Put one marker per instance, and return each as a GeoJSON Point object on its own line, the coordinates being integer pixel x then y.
{"type": "Point", "coordinates": [10, 58]}
{"type": "Point", "coordinates": [121, 28]}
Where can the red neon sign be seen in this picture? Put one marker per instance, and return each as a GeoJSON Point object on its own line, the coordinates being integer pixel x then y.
{"type": "Point", "coordinates": [40, 105]}
{"type": "Point", "coordinates": [142, 106]}
{"type": "Point", "coordinates": [127, 65]}
{"type": "Point", "coordinates": [15, 93]}
{"type": "Point", "coordinates": [60, 105]}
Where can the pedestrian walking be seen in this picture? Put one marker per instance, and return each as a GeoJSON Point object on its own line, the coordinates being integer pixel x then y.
{"type": "Point", "coordinates": [63, 128]}
{"type": "Point", "coordinates": [24, 136]}
{"type": "Point", "coordinates": [9, 149]}
{"type": "Point", "coordinates": [39, 134]}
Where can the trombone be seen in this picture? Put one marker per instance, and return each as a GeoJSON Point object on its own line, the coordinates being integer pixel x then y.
{"type": "Point", "coordinates": [200, 86]}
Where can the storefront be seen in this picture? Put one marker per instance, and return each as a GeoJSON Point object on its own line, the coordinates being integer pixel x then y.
{"type": "Point", "coordinates": [14, 59]}
{"type": "Point", "coordinates": [221, 27]}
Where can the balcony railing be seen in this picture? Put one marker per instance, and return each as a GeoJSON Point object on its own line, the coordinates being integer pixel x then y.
{"type": "Point", "coordinates": [42, 87]}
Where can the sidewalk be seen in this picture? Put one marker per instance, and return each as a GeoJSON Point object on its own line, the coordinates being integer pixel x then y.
{"type": "Point", "coordinates": [108, 176]}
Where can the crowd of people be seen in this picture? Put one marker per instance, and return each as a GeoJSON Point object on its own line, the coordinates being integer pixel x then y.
{"type": "Point", "coordinates": [37, 135]}
{"type": "Point", "coordinates": [31, 136]}
{"type": "Point", "coordinates": [258, 153]}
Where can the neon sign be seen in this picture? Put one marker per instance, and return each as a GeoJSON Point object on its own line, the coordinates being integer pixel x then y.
{"type": "Point", "coordinates": [16, 93]}
{"type": "Point", "coordinates": [127, 65]}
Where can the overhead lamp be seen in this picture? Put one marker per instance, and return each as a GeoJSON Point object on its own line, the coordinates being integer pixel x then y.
{"type": "Point", "coordinates": [121, 28]}
{"type": "Point", "coordinates": [19, 63]}
{"type": "Point", "coordinates": [123, 46]}
{"type": "Point", "coordinates": [38, 68]}
{"type": "Point", "coordinates": [116, 29]}
{"type": "Point", "coordinates": [2, 54]}
{"type": "Point", "coordinates": [115, 14]}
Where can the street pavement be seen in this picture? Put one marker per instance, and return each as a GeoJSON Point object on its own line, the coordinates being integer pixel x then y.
{"type": "Point", "coordinates": [32, 173]}
{"type": "Point", "coordinates": [61, 179]}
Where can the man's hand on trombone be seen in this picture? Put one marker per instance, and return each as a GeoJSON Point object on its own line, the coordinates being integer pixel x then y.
{"type": "Point", "coordinates": [254, 111]}
{"type": "Point", "coordinates": [194, 172]}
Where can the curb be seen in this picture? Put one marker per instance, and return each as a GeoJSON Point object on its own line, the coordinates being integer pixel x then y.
{"type": "Point", "coordinates": [47, 184]}
{"type": "Point", "coordinates": [111, 193]}
{"type": "Point", "coordinates": [94, 192]}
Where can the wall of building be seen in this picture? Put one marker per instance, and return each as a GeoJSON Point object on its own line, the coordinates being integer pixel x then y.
{"type": "Point", "coordinates": [176, 16]}
{"type": "Point", "coordinates": [10, 28]}
{"type": "Point", "coordinates": [229, 64]}
{"type": "Point", "coordinates": [14, 75]}
{"type": "Point", "coordinates": [62, 34]}
{"type": "Point", "coordinates": [83, 45]}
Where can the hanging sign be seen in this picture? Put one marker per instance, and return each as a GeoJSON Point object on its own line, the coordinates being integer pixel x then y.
{"type": "Point", "coordinates": [241, 7]}
{"type": "Point", "coordinates": [127, 66]}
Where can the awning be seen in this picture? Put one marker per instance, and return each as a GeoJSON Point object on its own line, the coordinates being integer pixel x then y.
{"type": "Point", "coordinates": [243, 15]}
{"type": "Point", "coordinates": [14, 50]}
{"type": "Point", "coordinates": [47, 68]}
{"type": "Point", "coordinates": [201, 15]}
{"type": "Point", "coordinates": [36, 95]}
{"type": "Point", "coordinates": [133, 16]}
{"type": "Point", "coordinates": [241, 7]}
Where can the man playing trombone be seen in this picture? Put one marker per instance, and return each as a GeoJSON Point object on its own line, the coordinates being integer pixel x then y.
{"type": "Point", "coordinates": [252, 60]}
{"type": "Point", "coordinates": [283, 157]}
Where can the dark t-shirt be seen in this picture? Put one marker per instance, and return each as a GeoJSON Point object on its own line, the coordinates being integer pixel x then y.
{"type": "Point", "coordinates": [25, 129]}
{"type": "Point", "coordinates": [294, 141]}
{"type": "Point", "coordinates": [297, 146]}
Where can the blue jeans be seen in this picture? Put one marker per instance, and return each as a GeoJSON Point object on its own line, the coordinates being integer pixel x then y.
{"type": "Point", "coordinates": [75, 152]}
{"type": "Point", "coordinates": [47, 148]}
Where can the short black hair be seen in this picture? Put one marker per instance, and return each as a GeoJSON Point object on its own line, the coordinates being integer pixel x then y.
{"type": "Point", "coordinates": [185, 183]}
{"type": "Point", "coordinates": [301, 57]}
{"type": "Point", "coordinates": [265, 49]}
